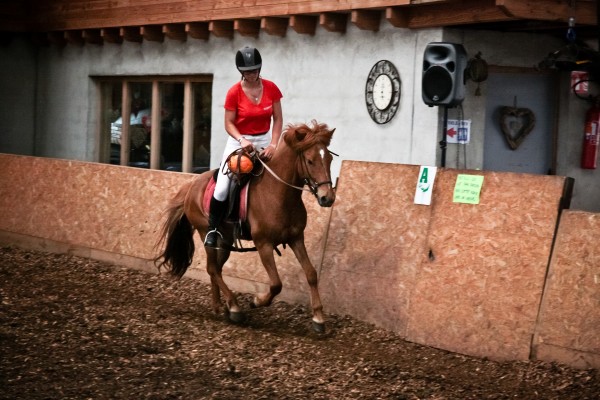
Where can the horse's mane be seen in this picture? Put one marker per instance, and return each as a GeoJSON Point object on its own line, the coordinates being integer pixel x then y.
{"type": "Point", "coordinates": [302, 136]}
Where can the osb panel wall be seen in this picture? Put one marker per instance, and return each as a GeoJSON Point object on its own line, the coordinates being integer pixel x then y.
{"type": "Point", "coordinates": [569, 326]}
{"type": "Point", "coordinates": [114, 213]}
{"type": "Point", "coordinates": [105, 207]}
{"type": "Point", "coordinates": [480, 285]}
{"type": "Point", "coordinates": [466, 278]}
{"type": "Point", "coordinates": [375, 244]}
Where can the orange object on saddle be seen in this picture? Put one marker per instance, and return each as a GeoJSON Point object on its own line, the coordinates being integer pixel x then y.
{"type": "Point", "coordinates": [240, 163]}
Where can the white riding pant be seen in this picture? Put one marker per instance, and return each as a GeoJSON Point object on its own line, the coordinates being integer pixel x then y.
{"type": "Point", "coordinates": [223, 181]}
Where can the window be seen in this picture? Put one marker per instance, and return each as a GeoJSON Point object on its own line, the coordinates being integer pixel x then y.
{"type": "Point", "coordinates": [168, 125]}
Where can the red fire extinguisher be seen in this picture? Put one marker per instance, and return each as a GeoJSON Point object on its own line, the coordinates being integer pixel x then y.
{"type": "Point", "coordinates": [591, 138]}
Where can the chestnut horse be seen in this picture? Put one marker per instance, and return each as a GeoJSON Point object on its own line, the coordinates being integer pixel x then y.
{"type": "Point", "coordinates": [276, 216]}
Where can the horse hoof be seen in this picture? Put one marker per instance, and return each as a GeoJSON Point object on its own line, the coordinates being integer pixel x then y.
{"type": "Point", "coordinates": [318, 327]}
{"type": "Point", "coordinates": [237, 317]}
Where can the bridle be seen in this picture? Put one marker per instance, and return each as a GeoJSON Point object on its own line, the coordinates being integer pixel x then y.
{"type": "Point", "coordinates": [313, 186]}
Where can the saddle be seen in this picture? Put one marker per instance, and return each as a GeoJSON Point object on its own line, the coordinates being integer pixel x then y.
{"type": "Point", "coordinates": [237, 204]}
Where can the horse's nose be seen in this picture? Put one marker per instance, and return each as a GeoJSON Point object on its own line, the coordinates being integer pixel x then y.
{"type": "Point", "coordinates": [326, 201]}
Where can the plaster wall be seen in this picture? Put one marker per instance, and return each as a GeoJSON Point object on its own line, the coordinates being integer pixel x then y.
{"type": "Point", "coordinates": [322, 77]}
{"type": "Point", "coordinates": [586, 192]}
{"type": "Point", "coordinates": [17, 97]}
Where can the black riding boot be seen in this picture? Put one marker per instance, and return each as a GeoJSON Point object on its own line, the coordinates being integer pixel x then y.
{"type": "Point", "coordinates": [217, 212]}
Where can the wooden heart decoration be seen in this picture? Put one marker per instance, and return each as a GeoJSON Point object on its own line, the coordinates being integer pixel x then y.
{"type": "Point", "coordinates": [516, 124]}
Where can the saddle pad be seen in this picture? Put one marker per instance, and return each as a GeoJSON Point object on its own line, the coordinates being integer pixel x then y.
{"type": "Point", "coordinates": [210, 190]}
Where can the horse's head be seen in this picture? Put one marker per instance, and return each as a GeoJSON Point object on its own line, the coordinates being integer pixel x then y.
{"type": "Point", "coordinates": [314, 158]}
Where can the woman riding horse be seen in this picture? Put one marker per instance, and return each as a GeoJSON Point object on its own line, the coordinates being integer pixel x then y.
{"type": "Point", "coordinates": [276, 216]}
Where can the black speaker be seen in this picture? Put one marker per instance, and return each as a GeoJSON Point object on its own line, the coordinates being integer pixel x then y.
{"type": "Point", "coordinates": [443, 81]}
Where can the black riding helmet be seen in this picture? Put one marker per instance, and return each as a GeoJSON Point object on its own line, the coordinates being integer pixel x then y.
{"type": "Point", "coordinates": [247, 59]}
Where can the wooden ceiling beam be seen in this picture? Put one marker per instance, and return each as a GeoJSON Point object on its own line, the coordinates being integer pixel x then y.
{"type": "Point", "coordinates": [39, 39]}
{"type": "Point", "coordinates": [223, 29]}
{"type": "Point", "coordinates": [198, 30]}
{"type": "Point", "coordinates": [455, 13]}
{"type": "Point", "coordinates": [334, 22]}
{"type": "Point", "coordinates": [45, 16]}
{"type": "Point", "coordinates": [397, 16]}
{"type": "Point", "coordinates": [175, 32]}
{"type": "Point", "coordinates": [131, 34]}
{"type": "Point", "coordinates": [152, 33]}
{"type": "Point", "coordinates": [57, 38]}
{"type": "Point", "coordinates": [584, 12]}
{"type": "Point", "coordinates": [111, 35]}
{"type": "Point", "coordinates": [304, 24]}
{"type": "Point", "coordinates": [367, 20]}
{"type": "Point", "coordinates": [247, 27]}
{"type": "Point", "coordinates": [74, 37]}
{"type": "Point", "coordinates": [274, 26]}
{"type": "Point", "coordinates": [92, 36]}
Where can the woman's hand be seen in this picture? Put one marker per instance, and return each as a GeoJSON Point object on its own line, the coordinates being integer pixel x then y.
{"type": "Point", "coordinates": [247, 145]}
{"type": "Point", "coordinates": [267, 153]}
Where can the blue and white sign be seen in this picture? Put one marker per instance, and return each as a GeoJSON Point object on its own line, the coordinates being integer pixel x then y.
{"type": "Point", "coordinates": [458, 131]}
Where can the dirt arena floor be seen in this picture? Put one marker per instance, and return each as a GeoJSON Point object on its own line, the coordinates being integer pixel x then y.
{"type": "Point", "coordinates": [73, 328]}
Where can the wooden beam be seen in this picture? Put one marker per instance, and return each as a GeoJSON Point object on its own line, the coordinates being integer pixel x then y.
{"type": "Point", "coordinates": [247, 27]}
{"type": "Point", "coordinates": [274, 26]}
{"type": "Point", "coordinates": [125, 122]}
{"type": "Point", "coordinates": [397, 16]}
{"type": "Point", "coordinates": [367, 20]}
{"type": "Point", "coordinates": [87, 14]}
{"type": "Point", "coordinates": [175, 32]}
{"type": "Point", "coordinates": [39, 39]}
{"type": "Point", "coordinates": [131, 34]}
{"type": "Point", "coordinates": [303, 24]}
{"type": "Point", "coordinates": [333, 22]}
{"type": "Point", "coordinates": [551, 10]}
{"type": "Point", "coordinates": [57, 38]}
{"type": "Point", "coordinates": [187, 160]}
{"type": "Point", "coordinates": [74, 37]}
{"type": "Point", "coordinates": [111, 35]}
{"type": "Point", "coordinates": [197, 30]}
{"type": "Point", "coordinates": [456, 13]}
{"type": "Point", "coordinates": [92, 36]}
{"type": "Point", "coordinates": [222, 29]}
{"type": "Point", "coordinates": [152, 33]}
{"type": "Point", "coordinates": [155, 136]}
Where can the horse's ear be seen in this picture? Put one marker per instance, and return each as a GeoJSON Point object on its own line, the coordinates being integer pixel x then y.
{"type": "Point", "coordinates": [300, 134]}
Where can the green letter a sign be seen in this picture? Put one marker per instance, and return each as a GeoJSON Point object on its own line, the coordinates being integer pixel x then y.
{"type": "Point", "coordinates": [425, 185]}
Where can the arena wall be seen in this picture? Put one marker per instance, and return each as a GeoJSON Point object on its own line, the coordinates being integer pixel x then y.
{"type": "Point", "coordinates": [499, 279]}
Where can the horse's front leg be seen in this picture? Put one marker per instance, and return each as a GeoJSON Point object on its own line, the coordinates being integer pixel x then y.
{"type": "Point", "coordinates": [265, 252]}
{"type": "Point", "coordinates": [313, 282]}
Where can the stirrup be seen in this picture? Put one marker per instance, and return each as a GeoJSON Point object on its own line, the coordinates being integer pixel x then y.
{"type": "Point", "coordinates": [212, 243]}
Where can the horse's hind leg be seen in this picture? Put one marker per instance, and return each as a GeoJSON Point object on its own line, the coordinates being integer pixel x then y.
{"type": "Point", "coordinates": [215, 259]}
{"type": "Point", "coordinates": [311, 276]}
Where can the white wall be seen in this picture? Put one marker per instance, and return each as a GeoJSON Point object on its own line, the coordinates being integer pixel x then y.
{"type": "Point", "coordinates": [322, 77]}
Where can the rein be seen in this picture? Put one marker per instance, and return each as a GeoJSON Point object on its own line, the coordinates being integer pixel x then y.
{"type": "Point", "coordinates": [313, 186]}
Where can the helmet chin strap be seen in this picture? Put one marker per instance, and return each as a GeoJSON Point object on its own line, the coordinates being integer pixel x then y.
{"type": "Point", "coordinates": [244, 79]}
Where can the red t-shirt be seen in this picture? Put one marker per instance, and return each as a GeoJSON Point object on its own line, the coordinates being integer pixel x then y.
{"type": "Point", "coordinates": [250, 118]}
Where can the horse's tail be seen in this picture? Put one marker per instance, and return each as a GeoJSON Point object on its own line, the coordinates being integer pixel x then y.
{"type": "Point", "coordinates": [177, 237]}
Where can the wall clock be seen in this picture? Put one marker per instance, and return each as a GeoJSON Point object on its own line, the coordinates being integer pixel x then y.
{"type": "Point", "coordinates": [382, 92]}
